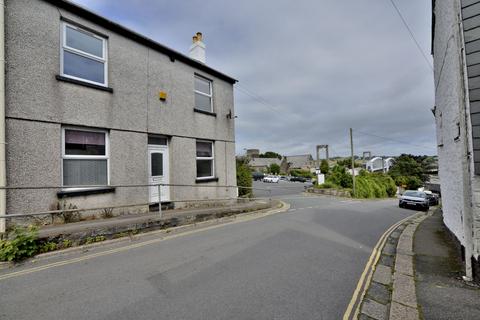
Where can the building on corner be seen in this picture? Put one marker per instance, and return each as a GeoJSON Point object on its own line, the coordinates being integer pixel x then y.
{"type": "Point", "coordinates": [91, 106]}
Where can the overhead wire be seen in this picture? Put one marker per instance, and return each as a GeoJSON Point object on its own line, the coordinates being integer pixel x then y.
{"type": "Point", "coordinates": [412, 35]}
{"type": "Point", "coordinates": [395, 140]}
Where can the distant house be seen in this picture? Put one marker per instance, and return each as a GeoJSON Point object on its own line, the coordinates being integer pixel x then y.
{"type": "Point", "coordinates": [456, 53]}
{"type": "Point", "coordinates": [301, 162]}
{"type": "Point", "coordinates": [379, 164]}
{"type": "Point", "coordinates": [262, 164]}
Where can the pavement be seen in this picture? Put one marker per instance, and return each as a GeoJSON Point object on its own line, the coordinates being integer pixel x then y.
{"type": "Point", "coordinates": [79, 231]}
{"type": "Point", "coordinates": [419, 275]}
{"type": "Point", "coordinates": [303, 263]}
{"type": "Point", "coordinates": [441, 291]}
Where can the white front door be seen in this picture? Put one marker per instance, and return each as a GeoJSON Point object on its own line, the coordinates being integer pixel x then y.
{"type": "Point", "coordinates": [158, 172]}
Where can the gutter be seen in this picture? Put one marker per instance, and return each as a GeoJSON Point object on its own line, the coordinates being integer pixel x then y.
{"type": "Point", "coordinates": [3, 166]}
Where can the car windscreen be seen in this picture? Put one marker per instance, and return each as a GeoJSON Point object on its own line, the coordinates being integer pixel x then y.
{"type": "Point", "coordinates": [417, 194]}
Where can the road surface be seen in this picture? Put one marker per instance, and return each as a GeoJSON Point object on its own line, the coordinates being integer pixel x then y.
{"type": "Point", "coordinates": [300, 264]}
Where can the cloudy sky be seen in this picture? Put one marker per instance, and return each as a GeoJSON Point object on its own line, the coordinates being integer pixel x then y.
{"type": "Point", "coordinates": [307, 70]}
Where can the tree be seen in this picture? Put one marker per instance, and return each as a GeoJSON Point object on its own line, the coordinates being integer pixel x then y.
{"type": "Point", "coordinates": [324, 166]}
{"type": "Point", "coordinates": [347, 162]}
{"type": "Point", "coordinates": [270, 154]}
{"type": "Point", "coordinates": [274, 168]}
{"type": "Point", "coordinates": [408, 166]}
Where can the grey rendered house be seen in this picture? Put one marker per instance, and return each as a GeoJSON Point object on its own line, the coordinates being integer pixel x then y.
{"type": "Point", "coordinates": [456, 53]}
{"type": "Point", "coordinates": [91, 105]}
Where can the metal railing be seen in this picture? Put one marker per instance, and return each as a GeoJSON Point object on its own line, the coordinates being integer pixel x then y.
{"type": "Point", "coordinates": [115, 186]}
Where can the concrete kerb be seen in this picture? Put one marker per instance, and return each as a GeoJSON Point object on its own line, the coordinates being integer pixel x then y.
{"type": "Point", "coordinates": [280, 207]}
{"type": "Point", "coordinates": [398, 279]}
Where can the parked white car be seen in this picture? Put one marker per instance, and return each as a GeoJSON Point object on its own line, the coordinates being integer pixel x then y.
{"type": "Point", "coordinates": [271, 179]}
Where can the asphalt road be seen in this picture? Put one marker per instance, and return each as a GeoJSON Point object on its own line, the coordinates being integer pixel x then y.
{"type": "Point", "coordinates": [299, 264]}
{"type": "Point", "coordinates": [282, 188]}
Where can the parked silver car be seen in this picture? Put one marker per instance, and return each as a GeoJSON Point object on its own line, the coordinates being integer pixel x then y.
{"type": "Point", "coordinates": [412, 198]}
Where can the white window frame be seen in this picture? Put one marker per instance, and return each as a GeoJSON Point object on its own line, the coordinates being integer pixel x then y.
{"type": "Point", "coordinates": [212, 158]}
{"type": "Point", "coordinates": [204, 94]}
{"type": "Point", "coordinates": [64, 47]}
{"type": "Point", "coordinates": [72, 156]}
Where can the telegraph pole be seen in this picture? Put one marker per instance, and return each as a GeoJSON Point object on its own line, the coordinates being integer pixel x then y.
{"type": "Point", "coordinates": [353, 161]}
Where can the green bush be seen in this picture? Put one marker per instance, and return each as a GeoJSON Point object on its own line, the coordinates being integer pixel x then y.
{"type": "Point", "coordinates": [47, 246]}
{"type": "Point", "coordinates": [301, 173]}
{"type": "Point", "coordinates": [244, 179]}
{"type": "Point", "coordinates": [338, 176]}
{"type": "Point", "coordinates": [374, 185]}
{"type": "Point", "coordinates": [326, 185]}
{"type": "Point", "coordinates": [21, 243]}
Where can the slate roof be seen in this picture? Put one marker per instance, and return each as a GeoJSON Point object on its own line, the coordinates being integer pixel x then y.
{"type": "Point", "coordinates": [263, 162]}
{"type": "Point", "coordinates": [300, 161]}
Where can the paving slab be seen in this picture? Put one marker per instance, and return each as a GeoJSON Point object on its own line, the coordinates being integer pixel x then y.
{"type": "Point", "coordinates": [379, 292]}
{"type": "Point", "coordinates": [374, 309]}
{"type": "Point", "coordinates": [404, 264]}
{"type": "Point", "coordinates": [404, 290]}
{"type": "Point", "coordinates": [400, 312]}
{"type": "Point", "coordinates": [383, 274]}
{"type": "Point", "coordinates": [405, 245]}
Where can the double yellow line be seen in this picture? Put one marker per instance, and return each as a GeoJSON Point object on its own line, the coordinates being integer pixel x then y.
{"type": "Point", "coordinates": [367, 273]}
{"type": "Point", "coordinates": [237, 219]}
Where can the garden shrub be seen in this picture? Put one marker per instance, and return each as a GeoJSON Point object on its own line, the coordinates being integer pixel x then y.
{"type": "Point", "coordinates": [244, 179]}
{"type": "Point", "coordinates": [340, 177]}
{"type": "Point", "coordinates": [20, 243]}
{"type": "Point", "coordinates": [326, 185]}
{"type": "Point", "coordinates": [374, 185]}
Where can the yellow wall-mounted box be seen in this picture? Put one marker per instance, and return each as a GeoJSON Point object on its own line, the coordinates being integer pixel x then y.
{"type": "Point", "coordinates": [162, 95]}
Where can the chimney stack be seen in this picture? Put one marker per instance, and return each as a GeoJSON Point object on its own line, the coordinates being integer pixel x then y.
{"type": "Point", "coordinates": [197, 49]}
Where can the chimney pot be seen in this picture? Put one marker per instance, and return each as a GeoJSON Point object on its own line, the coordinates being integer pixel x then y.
{"type": "Point", "coordinates": [197, 49]}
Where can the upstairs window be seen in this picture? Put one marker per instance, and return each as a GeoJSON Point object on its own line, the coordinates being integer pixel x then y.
{"type": "Point", "coordinates": [205, 159]}
{"type": "Point", "coordinates": [84, 55]}
{"type": "Point", "coordinates": [203, 94]}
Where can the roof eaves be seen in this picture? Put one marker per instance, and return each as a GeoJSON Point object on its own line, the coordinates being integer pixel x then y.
{"type": "Point", "coordinates": [113, 26]}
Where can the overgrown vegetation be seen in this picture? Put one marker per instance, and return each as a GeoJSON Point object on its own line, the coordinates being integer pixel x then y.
{"type": "Point", "coordinates": [91, 240]}
{"type": "Point", "coordinates": [107, 213]}
{"type": "Point", "coordinates": [244, 179]}
{"type": "Point", "coordinates": [374, 185]}
{"type": "Point", "coordinates": [301, 173]}
{"type": "Point", "coordinates": [20, 243]}
{"type": "Point", "coordinates": [72, 215]}
{"type": "Point", "coordinates": [367, 185]}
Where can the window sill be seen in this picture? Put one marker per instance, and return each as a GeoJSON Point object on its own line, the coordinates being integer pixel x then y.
{"type": "Point", "coordinates": [83, 83]}
{"type": "Point", "coordinates": [84, 192]}
{"type": "Point", "coordinates": [213, 114]}
{"type": "Point", "coordinates": [205, 180]}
